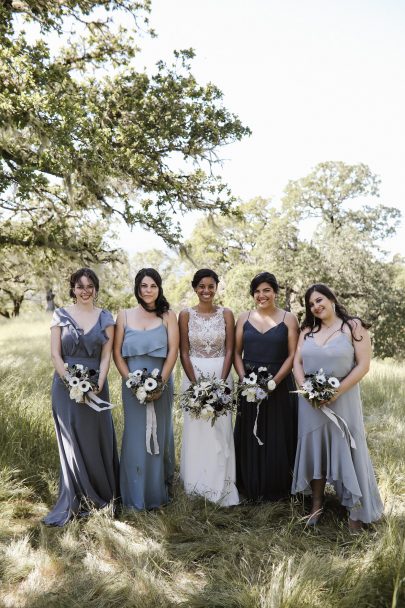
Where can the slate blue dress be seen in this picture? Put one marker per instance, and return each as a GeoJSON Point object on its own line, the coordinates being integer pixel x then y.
{"type": "Point", "coordinates": [146, 479]}
{"type": "Point", "coordinates": [264, 472]}
{"type": "Point", "coordinates": [89, 475]}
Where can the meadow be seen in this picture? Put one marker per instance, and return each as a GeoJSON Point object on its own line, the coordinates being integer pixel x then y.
{"type": "Point", "coordinates": [190, 553]}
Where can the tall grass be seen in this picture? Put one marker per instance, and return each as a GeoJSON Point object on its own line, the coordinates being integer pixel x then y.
{"type": "Point", "coordinates": [191, 553]}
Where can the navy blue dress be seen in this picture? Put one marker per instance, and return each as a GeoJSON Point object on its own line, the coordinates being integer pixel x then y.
{"type": "Point", "coordinates": [264, 472]}
{"type": "Point", "coordinates": [89, 475]}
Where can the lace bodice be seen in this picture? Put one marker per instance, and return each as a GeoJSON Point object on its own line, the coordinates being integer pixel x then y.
{"type": "Point", "coordinates": [206, 334]}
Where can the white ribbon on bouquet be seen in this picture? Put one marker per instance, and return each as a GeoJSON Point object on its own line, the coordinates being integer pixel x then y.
{"type": "Point", "coordinates": [334, 418]}
{"type": "Point", "coordinates": [151, 428]}
{"type": "Point", "coordinates": [94, 402]}
{"type": "Point", "coordinates": [259, 441]}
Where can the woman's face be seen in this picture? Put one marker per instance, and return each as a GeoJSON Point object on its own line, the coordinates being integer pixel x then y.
{"type": "Point", "coordinates": [264, 295]}
{"type": "Point", "coordinates": [84, 290]}
{"type": "Point", "coordinates": [320, 306]}
{"type": "Point", "coordinates": [148, 291]}
{"type": "Point", "coordinates": [206, 290]}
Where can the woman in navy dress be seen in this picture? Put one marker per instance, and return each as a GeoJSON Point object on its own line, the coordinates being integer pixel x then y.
{"type": "Point", "coordinates": [267, 337]}
{"type": "Point", "coordinates": [82, 333]}
{"type": "Point", "coordinates": [147, 336]}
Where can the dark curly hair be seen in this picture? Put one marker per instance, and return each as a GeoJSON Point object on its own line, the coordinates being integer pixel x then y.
{"type": "Point", "coordinates": [263, 277]}
{"type": "Point", "coordinates": [161, 304]}
{"type": "Point", "coordinates": [202, 274]}
{"type": "Point", "coordinates": [315, 324]}
{"type": "Point", "coordinates": [83, 272]}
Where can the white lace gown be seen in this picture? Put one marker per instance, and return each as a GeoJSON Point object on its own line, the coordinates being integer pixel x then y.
{"type": "Point", "coordinates": [207, 465]}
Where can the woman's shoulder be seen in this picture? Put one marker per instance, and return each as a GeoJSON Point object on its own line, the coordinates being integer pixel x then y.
{"type": "Point", "coordinates": [243, 317]}
{"type": "Point", "coordinates": [290, 318]}
{"type": "Point", "coordinates": [169, 315]}
{"type": "Point", "coordinates": [106, 317]}
{"type": "Point", "coordinates": [185, 312]}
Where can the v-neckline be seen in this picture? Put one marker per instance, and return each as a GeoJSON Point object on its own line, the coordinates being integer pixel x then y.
{"type": "Point", "coordinates": [328, 341]}
{"type": "Point", "coordinates": [262, 333]}
{"type": "Point", "coordinates": [77, 325]}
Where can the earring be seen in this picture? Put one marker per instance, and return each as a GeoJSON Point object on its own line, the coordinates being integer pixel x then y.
{"type": "Point", "coordinates": [334, 307]}
{"type": "Point", "coordinates": [74, 298]}
{"type": "Point", "coordinates": [95, 297]}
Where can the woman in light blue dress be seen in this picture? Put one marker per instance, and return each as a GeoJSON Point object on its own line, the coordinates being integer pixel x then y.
{"type": "Point", "coordinates": [147, 336]}
{"type": "Point", "coordinates": [332, 444]}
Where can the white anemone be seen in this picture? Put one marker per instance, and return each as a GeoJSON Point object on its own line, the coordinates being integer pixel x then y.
{"type": "Point", "coordinates": [334, 382]}
{"type": "Point", "coordinates": [150, 384]}
{"type": "Point", "coordinates": [250, 379]}
{"type": "Point", "coordinates": [73, 381]}
{"type": "Point", "coordinates": [84, 386]}
{"type": "Point", "coordinates": [155, 372]}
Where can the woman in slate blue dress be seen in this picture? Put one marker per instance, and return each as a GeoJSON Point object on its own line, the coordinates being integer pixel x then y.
{"type": "Point", "coordinates": [267, 337]}
{"type": "Point", "coordinates": [83, 333]}
{"type": "Point", "coordinates": [147, 336]}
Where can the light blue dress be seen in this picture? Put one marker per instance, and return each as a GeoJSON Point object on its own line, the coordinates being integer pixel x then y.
{"type": "Point", "coordinates": [323, 450]}
{"type": "Point", "coordinates": [146, 478]}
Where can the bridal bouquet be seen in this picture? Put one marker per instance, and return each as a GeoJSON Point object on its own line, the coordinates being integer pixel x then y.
{"type": "Point", "coordinates": [318, 387]}
{"type": "Point", "coordinates": [146, 386]}
{"type": "Point", "coordinates": [256, 386]}
{"type": "Point", "coordinates": [208, 398]}
{"type": "Point", "coordinates": [80, 380]}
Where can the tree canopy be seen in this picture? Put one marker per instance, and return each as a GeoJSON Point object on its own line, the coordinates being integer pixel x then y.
{"type": "Point", "coordinates": [82, 127]}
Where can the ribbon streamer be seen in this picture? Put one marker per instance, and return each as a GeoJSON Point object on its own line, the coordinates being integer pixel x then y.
{"type": "Point", "coordinates": [334, 418]}
{"type": "Point", "coordinates": [95, 402]}
{"type": "Point", "coordinates": [259, 441]}
{"type": "Point", "coordinates": [151, 428]}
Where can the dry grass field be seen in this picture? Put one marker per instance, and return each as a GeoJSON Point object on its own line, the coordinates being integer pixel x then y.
{"type": "Point", "coordinates": [191, 553]}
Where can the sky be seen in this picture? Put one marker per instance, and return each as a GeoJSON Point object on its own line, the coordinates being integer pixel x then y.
{"type": "Point", "coordinates": [315, 81]}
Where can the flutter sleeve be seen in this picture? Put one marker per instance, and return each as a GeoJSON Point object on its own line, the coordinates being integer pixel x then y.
{"type": "Point", "coordinates": [60, 318]}
{"type": "Point", "coordinates": [106, 320]}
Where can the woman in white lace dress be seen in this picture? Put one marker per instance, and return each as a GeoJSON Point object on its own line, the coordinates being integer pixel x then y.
{"type": "Point", "coordinates": [207, 465]}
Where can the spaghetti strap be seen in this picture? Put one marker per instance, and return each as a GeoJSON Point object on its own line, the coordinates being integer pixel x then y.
{"type": "Point", "coordinates": [126, 320]}
{"type": "Point", "coordinates": [285, 312]}
{"type": "Point", "coordinates": [248, 315]}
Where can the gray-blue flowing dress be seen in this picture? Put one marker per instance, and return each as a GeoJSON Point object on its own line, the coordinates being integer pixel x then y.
{"type": "Point", "coordinates": [89, 475]}
{"type": "Point", "coordinates": [322, 451]}
{"type": "Point", "coordinates": [145, 479]}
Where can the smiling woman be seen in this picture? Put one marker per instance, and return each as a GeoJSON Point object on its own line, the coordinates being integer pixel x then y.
{"type": "Point", "coordinates": [82, 337]}
{"type": "Point", "coordinates": [147, 338]}
{"type": "Point", "coordinates": [265, 435]}
{"type": "Point", "coordinates": [339, 344]}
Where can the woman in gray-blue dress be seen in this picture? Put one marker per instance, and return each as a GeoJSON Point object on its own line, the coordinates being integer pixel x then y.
{"type": "Point", "coordinates": [147, 337]}
{"type": "Point", "coordinates": [83, 334]}
{"type": "Point", "coordinates": [332, 444]}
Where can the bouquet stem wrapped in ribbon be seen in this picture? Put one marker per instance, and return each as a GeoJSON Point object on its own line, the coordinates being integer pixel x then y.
{"type": "Point", "coordinates": [319, 388]}
{"type": "Point", "coordinates": [81, 382]}
{"type": "Point", "coordinates": [255, 388]}
{"type": "Point", "coordinates": [147, 386]}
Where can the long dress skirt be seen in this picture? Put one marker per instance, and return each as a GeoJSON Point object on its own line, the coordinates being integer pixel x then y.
{"type": "Point", "coordinates": [146, 479]}
{"type": "Point", "coordinates": [207, 466]}
{"type": "Point", "coordinates": [324, 449]}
